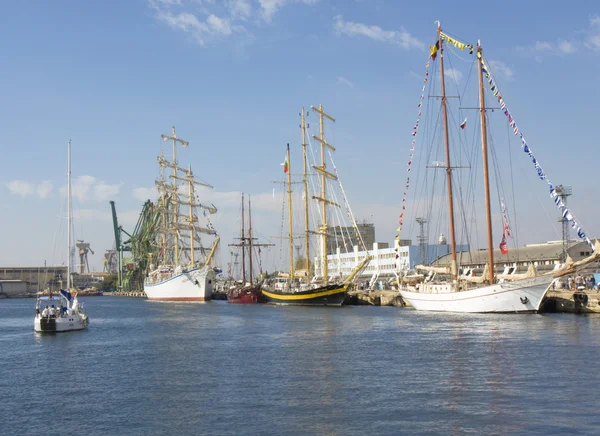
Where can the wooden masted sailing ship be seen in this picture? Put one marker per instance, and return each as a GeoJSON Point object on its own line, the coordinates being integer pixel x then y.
{"type": "Point", "coordinates": [247, 292]}
{"type": "Point", "coordinates": [302, 289]}
{"type": "Point", "coordinates": [444, 289]}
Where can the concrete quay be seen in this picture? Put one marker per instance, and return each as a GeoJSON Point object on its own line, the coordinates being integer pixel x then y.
{"type": "Point", "coordinates": [374, 298]}
{"type": "Point", "coordinates": [568, 301]}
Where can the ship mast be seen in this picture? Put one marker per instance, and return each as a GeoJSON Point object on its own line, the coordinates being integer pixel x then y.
{"type": "Point", "coordinates": [69, 216]}
{"type": "Point", "coordinates": [448, 167]}
{"type": "Point", "coordinates": [289, 192]}
{"type": "Point", "coordinates": [243, 244]}
{"type": "Point", "coordinates": [321, 169]}
{"type": "Point", "coordinates": [250, 240]}
{"type": "Point", "coordinates": [163, 199]}
{"type": "Point", "coordinates": [305, 182]}
{"type": "Point", "coordinates": [175, 198]}
{"type": "Point", "coordinates": [486, 177]}
{"type": "Point", "coordinates": [191, 216]}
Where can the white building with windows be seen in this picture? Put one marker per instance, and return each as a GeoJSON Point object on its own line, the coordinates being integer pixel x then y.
{"type": "Point", "coordinates": [386, 260]}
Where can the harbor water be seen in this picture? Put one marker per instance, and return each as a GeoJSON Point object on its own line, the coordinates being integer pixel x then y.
{"type": "Point", "coordinates": [149, 368]}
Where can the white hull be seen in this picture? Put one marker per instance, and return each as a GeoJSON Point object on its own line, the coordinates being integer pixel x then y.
{"type": "Point", "coordinates": [67, 323]}
{"type": "Point", "coordinates": [510, 297]}
{"type": "Point", "coordinates": [194, 285]}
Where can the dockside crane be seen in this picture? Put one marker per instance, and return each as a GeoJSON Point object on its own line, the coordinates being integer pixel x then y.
{"type": "Point", "coordinates": [120, 246]}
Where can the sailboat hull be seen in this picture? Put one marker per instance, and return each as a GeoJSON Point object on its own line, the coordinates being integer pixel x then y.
{"type": "Point", "coordinates": [332, 295]}
{"type": "Point", "coordinates": [193, 285]}
{"type": "Point", "coordinates": [245, 295]}
{"type": "Point", "coordinates": [67, 323]}
{"type": "Point", "coordinates": [520, 296]}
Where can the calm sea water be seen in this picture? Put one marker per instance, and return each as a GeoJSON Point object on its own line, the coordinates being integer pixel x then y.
{"type": "Point", "coordinates": [145, 368]}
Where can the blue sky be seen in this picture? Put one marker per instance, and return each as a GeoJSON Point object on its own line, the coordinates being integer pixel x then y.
{"type": "Point", "coordinates": [232, 76]}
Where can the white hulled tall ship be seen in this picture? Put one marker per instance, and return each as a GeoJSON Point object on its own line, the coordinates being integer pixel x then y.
{"type": "Point", "coordinates": [443, 288]}
{"type": "Point", "coordinates": [176, 273]}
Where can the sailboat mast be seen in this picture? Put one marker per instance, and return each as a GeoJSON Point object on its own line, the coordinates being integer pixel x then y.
{"type": "Point", "coordinates": [243, 242]}
{"type": "Point", "coordinates": [448, 166]}
{"type": "Point", "coordinates": [486, 177]}
{"type": "Point", "coordinates": [163, 199]}
{"type": "Point", "coordinates": [175, 196]}
{"type": "Point", "coordinates": [69, 216]}
{"type": "Point", "coordinates": [250, 240]}
{"type": "Point", "coordinates": [191, 199]}
{"type": "Point", "coordinates": [289, 192]}
{"type": "Point", "coordinates": [305, 182]}
{"type": "Point", "coordinates": [323, 199]}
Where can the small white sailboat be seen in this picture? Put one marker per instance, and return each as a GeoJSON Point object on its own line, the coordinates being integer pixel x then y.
{"type": "Point", "coordinates": [443, 288]}
{"type": "Point", "coordinates": [62, 313]}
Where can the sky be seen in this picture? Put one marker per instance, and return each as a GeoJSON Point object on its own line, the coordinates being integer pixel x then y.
{"type": "Point", "coordinates": [232, 76]}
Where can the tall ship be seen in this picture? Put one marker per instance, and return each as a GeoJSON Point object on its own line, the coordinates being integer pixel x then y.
{"type": "Point", "coordinates": [248, 290]}
{"type": "Point", "coordinates": [450, 289]}
{"type": "Point", "coordinates": [309, 286]}
{"type": "Point", "coordinates": [180, 268]}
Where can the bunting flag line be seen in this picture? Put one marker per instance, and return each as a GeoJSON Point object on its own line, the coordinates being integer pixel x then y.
{"type": "Point", "coordinates": [456, 43]}
{"type": "Point", "coordinates": [414, 133]}
{"type": "Point", "coordinates": [540, 172]}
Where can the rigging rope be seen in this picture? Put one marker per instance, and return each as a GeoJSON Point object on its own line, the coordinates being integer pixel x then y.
{"type": "Point", "coordinates": [554, 194]}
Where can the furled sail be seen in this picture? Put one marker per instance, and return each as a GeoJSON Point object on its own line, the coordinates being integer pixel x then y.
{"type": "Point", "coordinates": [570, 267]}
{"type": "Point", "coordinates": [531, 272]}
{"type": "Point", "coordinates": [436, 269]}
{"type": "Point", "coordinates": [485, 277]}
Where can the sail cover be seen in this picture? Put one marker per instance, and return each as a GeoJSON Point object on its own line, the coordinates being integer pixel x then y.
{"type": "Point", "coordinates": [66, 294]}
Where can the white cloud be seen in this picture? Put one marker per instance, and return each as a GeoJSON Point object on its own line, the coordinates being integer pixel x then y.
{"type": "Point", "coordinates": [402, 37]}
{"type": "Point", "coordinates": [92, 215]}
{"type": "Point", "coordinates": [88, 188]}
{"type": "Point", "coordinates": [20, 187]}
{"type": "Point", "coordinates": [453, 74]}
{"type": "Point", "coordinates": [593, 35]}
{"type": "Point", "coordinates": [501, 69]}
{"type": "Point", "coordinates": [343, 81]}
{"type": "Point", "coordinates": [24, 188]}
{"type": "Point", "coordinates": [589, 37]}
{"type": "Point", "coordinates": [241, 9]}
{"type": "Point", "coordinates": [202, 31]}
{"type": "Point", "coordinates": [207, 20]}
{"type": "Point", "coordinates": [566, 47]}
{"type": "Point", "coordinates": [143, 194]}
{"type": "Point", "coordinates": [542, 46]}
{"type": "Point", "coordinates": [270, 7]}
{"type": "Point", "coordinates": [103, 191]}
{"type": "Point", "coordinates": [44, 189]}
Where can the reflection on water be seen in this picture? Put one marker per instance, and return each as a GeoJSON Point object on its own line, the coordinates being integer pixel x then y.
{"type": "Point", "coordinates": [150, 368]}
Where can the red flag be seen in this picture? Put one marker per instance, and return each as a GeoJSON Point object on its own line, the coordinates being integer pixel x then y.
{"type": "Point", "coordinates": [503, 246]}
